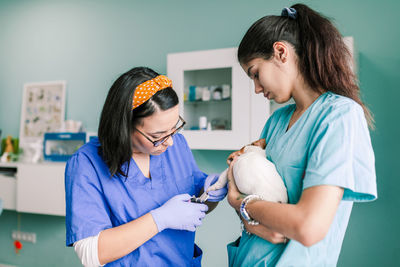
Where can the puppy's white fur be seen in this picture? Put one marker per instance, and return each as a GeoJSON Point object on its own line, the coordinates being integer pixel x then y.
{"type": "Point", "coordinates": [254, 174]}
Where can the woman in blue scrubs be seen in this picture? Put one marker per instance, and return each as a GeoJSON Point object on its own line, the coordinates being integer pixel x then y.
{"type": "Point", "coordinates": [320, 145]}
{"type": "Point", "coordinates": [128, 192]}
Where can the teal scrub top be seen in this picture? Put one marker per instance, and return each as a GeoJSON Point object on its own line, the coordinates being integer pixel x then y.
{"type": "Point", "coordinates": [328, 145]}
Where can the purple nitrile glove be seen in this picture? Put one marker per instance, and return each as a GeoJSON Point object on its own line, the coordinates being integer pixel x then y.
{"type": "Point", "coordinates": [216, 195]}
{"type": "Point", "coordinates": [179, 213]}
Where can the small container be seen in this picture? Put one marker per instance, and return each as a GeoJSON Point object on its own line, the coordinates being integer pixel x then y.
{"type": "Point", "coordinates": [192, 93]}
{"type": "Point", "coordinates": [199, 92]}
{"type": "Point", "coordinates": [209, 126]}
{"type": "Point", "coordinates": [203, 123]}
{"type": "Point", "coordinates": [217, 93]}
{"type": "Point", "coordinates": [205, 94]}
{"type": "Point", "coordinates": [226, 91]}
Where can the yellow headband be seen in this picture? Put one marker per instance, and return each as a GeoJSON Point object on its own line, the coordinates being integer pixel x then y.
{"type": "Point", "coordinates": [146, 90]}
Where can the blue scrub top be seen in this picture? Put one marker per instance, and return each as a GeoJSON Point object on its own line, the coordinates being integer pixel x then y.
{"type": "Point", "coordinates": [95, 202]}
{"type": "Point", "coordinates": [328, 145]}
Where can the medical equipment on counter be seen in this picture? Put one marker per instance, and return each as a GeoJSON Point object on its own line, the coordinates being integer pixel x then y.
{"type": "Point", "coordinates": [61, 146]}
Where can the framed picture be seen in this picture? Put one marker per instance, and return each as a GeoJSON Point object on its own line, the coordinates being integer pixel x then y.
{"type": "Point", "coordinates": [43, 110]}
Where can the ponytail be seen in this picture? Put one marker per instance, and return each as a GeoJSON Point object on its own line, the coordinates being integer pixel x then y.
{"type": "Point", "coordinates": [323, 57]}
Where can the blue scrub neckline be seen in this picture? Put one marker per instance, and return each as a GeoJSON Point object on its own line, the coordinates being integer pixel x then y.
{"type": "Point", "coordinates": [156, 171]}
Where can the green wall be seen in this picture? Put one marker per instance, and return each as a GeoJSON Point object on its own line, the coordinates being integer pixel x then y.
{"type": "Point", "coordinates": [90, 43]}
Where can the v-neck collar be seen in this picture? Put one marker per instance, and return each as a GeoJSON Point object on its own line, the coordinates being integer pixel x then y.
{"type": "Point", "coordinates": [282, 138]}
{"type": "Point", "coordinates": [155, 168]}
{"type": "Point", "coordinates": [302, 116]}
{"type": "Point", "coordinates": [139, 171]}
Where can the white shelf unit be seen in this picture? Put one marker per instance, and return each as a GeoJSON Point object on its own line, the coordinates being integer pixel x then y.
{"type": "Point", "coordinates": [8, 185]}
{"type": "Point", "coordinates": [243, 113]}
{"type": "Point", "coordinates": [40, 188]}
{"type": "Point", "coordinates": [33, 188]}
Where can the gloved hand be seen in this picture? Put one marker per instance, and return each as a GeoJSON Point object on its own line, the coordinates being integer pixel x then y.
{"type": "Point", "coordinates": [216, 195]}
{"type": "Point", "coordinates": [179, 213]}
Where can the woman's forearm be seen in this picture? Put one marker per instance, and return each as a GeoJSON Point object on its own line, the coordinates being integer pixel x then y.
{"type": "Point", "coordinates": [119, 241]}
{"type": "Point", "coordinates": [272, 215]}
{"type": "Point", "coordinates": [281, 218]}
{"type": "Point", "coordinates": [307, 221]}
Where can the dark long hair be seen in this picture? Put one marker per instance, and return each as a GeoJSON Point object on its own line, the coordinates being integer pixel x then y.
{"type": "Point", "coordinates": [323, 57]}
{"type": "Point", "coordinates": [118, 120]}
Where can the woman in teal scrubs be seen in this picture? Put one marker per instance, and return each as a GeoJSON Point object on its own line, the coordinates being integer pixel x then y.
{"type": "Point", "coordinates": [320, 145]}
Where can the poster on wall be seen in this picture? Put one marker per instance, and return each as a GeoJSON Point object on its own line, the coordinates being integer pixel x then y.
{"type": "Point", "coordinates": [43, 110]}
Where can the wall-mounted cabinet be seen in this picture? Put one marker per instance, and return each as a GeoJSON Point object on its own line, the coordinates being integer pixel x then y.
{"type": "Point", "coordinates": [217, 99]}
{"type": "Point", "coordinates": [40, 188]}
{"type": "Point", "coordinates": [33, 188]}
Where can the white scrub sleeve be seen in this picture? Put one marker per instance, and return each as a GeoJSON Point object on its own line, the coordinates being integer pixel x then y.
{"type": "Point", "coordinates": [87, 251]}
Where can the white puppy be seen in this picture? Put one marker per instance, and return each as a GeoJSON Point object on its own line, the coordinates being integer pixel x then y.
{"type": "Point", "coordinates": [254, 174]}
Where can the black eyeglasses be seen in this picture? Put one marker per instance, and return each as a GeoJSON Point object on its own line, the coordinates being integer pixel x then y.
{"type": "Point", "coordinates": [162, 140]}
